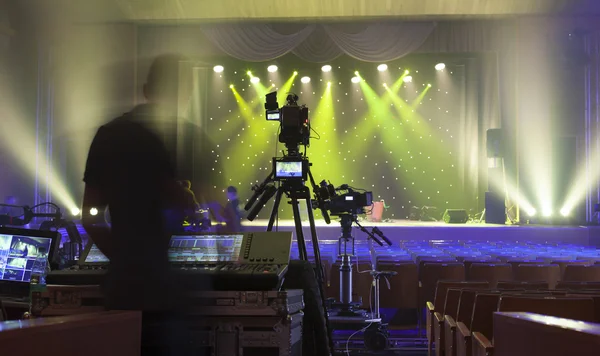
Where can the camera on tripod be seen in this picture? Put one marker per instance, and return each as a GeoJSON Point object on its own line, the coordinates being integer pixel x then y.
{"type": "Point", "coordinates": [344, 199]}
{"type": "Point", "coordinates": [293, 118]}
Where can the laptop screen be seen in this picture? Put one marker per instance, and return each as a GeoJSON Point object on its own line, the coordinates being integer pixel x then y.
{"type": "Point", "coordinates": [17, 255]}
{"type": "Point", "coordinates": [94, 255]}
{"type": "Point", "coordinates": [205, 248]}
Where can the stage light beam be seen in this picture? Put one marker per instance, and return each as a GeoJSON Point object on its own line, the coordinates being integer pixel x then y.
{"type": "Point", "coordinates": [355, 79]}
{"type": "Point", "coordinates": [440, 66]}
{"type": "Point", "coordinates": [255, 80]}
{"type": "Point", "coordinates": [75, 211]}
{"type": "Point", "coordinates": [407, 79]}
{"type": "Point", "coordinates": [218, 69]}
{"type": "Point", "coordinates": [382, 67]}
{"type": "Point", "coordinates": [305, 80]}
{"type": "Point", "coordinates": [272, 68]}
{"type": "Point", "coordinates": [326, 68]}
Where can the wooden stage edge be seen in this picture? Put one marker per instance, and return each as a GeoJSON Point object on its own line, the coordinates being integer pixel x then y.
{"type": "Point", "coordinates": [398, 230]}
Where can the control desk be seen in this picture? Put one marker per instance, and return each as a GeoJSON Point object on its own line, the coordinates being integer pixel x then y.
{"type": "Point", "coordinates": [248, 261]}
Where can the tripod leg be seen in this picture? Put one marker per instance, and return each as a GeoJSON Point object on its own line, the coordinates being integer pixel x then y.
{"type": "Point", "coordinates": [315, 242]}
{"type": "Point", "coordinates": [319, 266]}
{"type": "Point", "coordinates": [275, 209]}
{"type": "Point", "coordinates": [299, 233]}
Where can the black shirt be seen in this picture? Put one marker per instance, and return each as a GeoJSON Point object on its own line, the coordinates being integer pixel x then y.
{"type": "Point", "coordinates": [132, 161]}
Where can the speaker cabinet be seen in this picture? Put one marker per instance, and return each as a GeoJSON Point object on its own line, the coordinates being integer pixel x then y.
{"type": "Point", "coordinates": [456, 216]}
{"type": "Point", "coordinates": [495, 143]}
{"type": "Point", "coordinates": [495, 211]}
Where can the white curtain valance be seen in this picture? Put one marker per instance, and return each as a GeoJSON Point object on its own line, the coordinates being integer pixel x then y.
{"type": "Point", "coordinates": [320, 43]}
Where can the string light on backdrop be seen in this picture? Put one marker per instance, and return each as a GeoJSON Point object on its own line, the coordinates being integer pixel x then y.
{"type": "Point", "coordinates": [218, 69]}
{"type": "Point", "coordinates": [370, 131]}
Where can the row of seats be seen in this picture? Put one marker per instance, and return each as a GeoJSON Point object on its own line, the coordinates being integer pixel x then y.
{"type": "Point", "coordinates": [460, 317]}
{"type": "Point", "coordinates": [494, 261]}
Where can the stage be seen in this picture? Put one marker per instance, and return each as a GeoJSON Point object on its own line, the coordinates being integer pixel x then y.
{"type": "Point", "coordinates": [400, 230]}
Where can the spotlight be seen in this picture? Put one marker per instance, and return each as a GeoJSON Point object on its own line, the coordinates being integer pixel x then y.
{"type": "Point", "coordinates": [93, 211]}
{"type": "Point", "coordinates": [218, 69]}
{"type": "Point", "coordinates": [328, 84]}
{"type": "Point", "coordinates": [355, 79]}
{"type": "Point", "coordinates": [429, 85]}
{"type": "Point", "coordinates": [249, 73]}
{"type": "Point", "coordinates": [440, 66]}
{"type": "Point", "coordinates": [407, 79]}
{"type": "Point", "coordinates": [75, 211]}
{"type": "Point", "coordinates": [385, 85]}
{"type": "Point", "coordinates": [531, 212]}
{"type": "Point", "coordinates": [295, 73]}
{"type": "Point", "coordinates": [382, 67]}
{"type": "Point", "coordinates": [565, 212]}
{"type": "Point", "coordinates": [272, 68]}
{"type": "Point", "coordinates": [305, 80]}
{"type": "Point", "coordinates": [230, 86]}
{"type": "Point", "coordinates": [356, 73]}
{"type": "Point", "coordinates": [406, 72]}
{"type": "Point", "coordinates": [326, 68]}
{"type": "Point", "coordinates": [254, 80]}
{"type": "Point", "coordinates": [547, 212]}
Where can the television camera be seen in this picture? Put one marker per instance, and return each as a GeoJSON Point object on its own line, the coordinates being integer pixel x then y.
{"type": "Point", "coordinates": [293, 119]}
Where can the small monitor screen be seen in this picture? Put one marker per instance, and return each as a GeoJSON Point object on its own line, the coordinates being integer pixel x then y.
{"type": "Point", "coordinates": [205, 248]}
{"type": "Point", "coordinates": [288, 169]}
{"type": "Point", "coordinates": [17, 255]}
{"type": "Point", "coordinates": [95, 256]}
{"type": "Point", "coordinates": [273, 116]}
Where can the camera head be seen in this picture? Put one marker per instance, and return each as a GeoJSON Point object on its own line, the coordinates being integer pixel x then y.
{"type": "Point", "coordinates": [344, 200]}
{"type": "Point", "coordinates": [293, 119]}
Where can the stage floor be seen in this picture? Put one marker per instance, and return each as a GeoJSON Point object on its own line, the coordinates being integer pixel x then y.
{"type": "Point", "coordinates": [398, 230]}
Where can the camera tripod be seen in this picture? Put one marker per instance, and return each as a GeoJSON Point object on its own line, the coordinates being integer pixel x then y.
{"type": "Point", "coordinates": [295, 190]}
{"type": "Point", "coordinates": [346, 251]}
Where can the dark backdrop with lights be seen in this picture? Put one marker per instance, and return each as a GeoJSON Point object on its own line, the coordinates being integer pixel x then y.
{"type": "Point", "coordinates": [401, 141]}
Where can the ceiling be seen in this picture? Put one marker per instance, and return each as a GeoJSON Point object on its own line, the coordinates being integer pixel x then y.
{"type": "Point", "coordinates": [166, 11]}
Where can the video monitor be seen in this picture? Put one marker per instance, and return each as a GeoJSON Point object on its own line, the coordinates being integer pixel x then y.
{"type": "Point", "coordinates": [205, 248]}
{"type": "Point", "coordinates": [93, 255]}
{"type": "Point", "coordinates": [19, 248]}
{"type": "Point", "coordinates": [290, 169]}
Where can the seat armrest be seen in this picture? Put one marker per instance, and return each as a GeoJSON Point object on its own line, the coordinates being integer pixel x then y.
{"type": "Point", "coordinates": [481, 345]}
{"type": "Point", "coordinates": [439, 318]}
{"type": "Point", "coordinates": [430, 307]}
{"type": "Point", "coordinates": [450, 321]}
{"type": "Point", "coordinates": [464, 331]}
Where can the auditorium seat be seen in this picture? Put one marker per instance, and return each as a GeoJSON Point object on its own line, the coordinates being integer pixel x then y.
{"type": "Point", "coordinates": [564, 263]}
{"type": "Point", "coordinates": [403, 291]}
{"type": "Point", "coordinates": [431, 273]}
{"type": "Point", "coordinates": [485, 305]}
{"type": "Point", "coordinates": [515, 285]}
{"type": "Point", "coordinates": [450, 309]}
{"type": "Point", "coordinates": [490, 272]}
{"type": "Point", "coordinates": [436, 309]}
{"type": "Point", "coordinates": [470, 262]}
{"type": "Point", "coordinates": [534, 273]}
{"type": "Point", "coordinates": [514, 332]}
{"type": "Point", "coordinates": [575, 285]}
{"type": "Point", "coordinates": [582, 273]}
{"type": "Point", "coordinates": [563, 307]}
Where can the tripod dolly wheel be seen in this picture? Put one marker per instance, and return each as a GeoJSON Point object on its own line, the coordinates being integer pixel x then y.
{"type": "Point", "coordinates": [376, 337]}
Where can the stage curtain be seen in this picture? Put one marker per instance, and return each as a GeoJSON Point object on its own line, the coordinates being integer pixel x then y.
{"type": "Point", "coordinates": [375, 42]}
